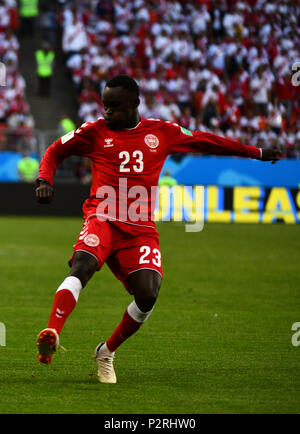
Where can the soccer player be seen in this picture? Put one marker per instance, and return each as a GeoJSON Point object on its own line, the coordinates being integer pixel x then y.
{"type": "Point", "coordinates": [127, 154]}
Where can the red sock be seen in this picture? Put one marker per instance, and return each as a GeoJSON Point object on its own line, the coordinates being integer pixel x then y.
{"type": "Point", "coordinates": [127, 327]}
{"type": "Point", "coordinates": [63, 304]}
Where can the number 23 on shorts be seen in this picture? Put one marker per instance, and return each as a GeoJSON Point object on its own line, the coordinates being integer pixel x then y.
{"type": "Point", "coordinates": [149, 256]}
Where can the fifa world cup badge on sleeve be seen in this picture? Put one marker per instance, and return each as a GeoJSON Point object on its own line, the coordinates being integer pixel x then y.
{"type": "Point", "coordinates": [67, 137]}
{"type": "Point", "coordinates": [186, 132]}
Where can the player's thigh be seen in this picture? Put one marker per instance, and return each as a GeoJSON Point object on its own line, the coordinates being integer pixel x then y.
{"type": "Point", "coordinates": [93, 246]}
{"type": "Point", "coordinates": [139, 253]}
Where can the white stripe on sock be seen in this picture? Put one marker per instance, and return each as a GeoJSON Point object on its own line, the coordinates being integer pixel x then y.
{"type": "Point", "coordinates": [73, 284]}
{"type": "Point", "coordinates": [137, 314]}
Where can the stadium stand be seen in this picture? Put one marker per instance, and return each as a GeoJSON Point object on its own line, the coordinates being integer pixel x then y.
{"type": "Point", "coordinates": [16, 121]}
{"type": "Point", "coordinates": [218, 66]}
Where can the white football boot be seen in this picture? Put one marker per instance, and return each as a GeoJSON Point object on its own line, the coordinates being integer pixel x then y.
{"type": "Point", "coordinates": [104, 359]}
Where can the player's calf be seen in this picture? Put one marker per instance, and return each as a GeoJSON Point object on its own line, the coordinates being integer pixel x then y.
{"type": "Point", "coordinates": [65, 300]}
{"type": "Point", "coordinates": [145, 286]}
{"type": "Point", "coordinates": [132, 320]}
{"type": "Point", "coordinates": [66, 297]}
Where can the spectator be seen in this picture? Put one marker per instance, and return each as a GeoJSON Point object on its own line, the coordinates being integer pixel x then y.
{"type": "Point", "coordinates": [89, 109]}
{"type": "Point", "coordinates": [45, 59]}
{"type": "Point", "coordinates": [28, 168]}
{"type": "Point", "coordinates": [210, 104]}
{"type": "Point", "coordinates": [15, 119]}
{"type": "Point", "coordinates": [4, 16]}
{"type": "Point", "coordinates": [168, 110]}
{"type": "Point", "coordinates": [148, 106]}
{"type": "Point", "coordinates": [65, 125]}
{"type": "Point", "coordinates": [28, 13]}
{"type": "Point", "coordinates": [260, 88]}
{"type": "Point", "coordinates": [48, 23]}
{"type": "Point", "coordinates": [21, 137]}
{"type": "Point", "coordinates": [74, 37]}
{"type": "Point", "coordinates": [283, 90]}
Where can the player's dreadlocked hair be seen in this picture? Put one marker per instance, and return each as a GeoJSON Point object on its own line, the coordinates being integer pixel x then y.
{"type": "Point", "coordinates": [126, 82]}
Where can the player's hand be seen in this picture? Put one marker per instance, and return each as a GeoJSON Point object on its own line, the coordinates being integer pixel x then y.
{"type": "Point", "coordinates": [44, 192]}
{"type": "Point", "coordinates": [270, 155]}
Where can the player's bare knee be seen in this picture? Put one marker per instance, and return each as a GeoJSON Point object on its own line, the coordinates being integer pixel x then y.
{"type": "Point", "coordinates": [146, 295]}
{"type": "Point", "coordinates": [145, 285]}
{"type": "Point", "coordinates": [145, 302]}
{"type": "Point", "coordinates": [152, 291]}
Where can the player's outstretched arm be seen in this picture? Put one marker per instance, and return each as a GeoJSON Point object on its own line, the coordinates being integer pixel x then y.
{"type": "Point", "coordinates": [44, 192]}
{"type": "Point", "coordinates": [183, 140]}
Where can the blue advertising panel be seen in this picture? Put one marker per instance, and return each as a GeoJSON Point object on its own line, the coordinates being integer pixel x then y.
{"type": "Point", "coordinates": [233, 171]}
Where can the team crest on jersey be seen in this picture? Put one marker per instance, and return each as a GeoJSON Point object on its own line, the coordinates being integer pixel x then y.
{"type": "Point", "coordinates": [92, 240]}
{"type": "Point", "coordinates": [151, 141]}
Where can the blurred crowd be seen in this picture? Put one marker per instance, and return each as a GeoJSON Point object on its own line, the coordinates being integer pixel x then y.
{"type": "Point", "coordinates": [218, 66]}
{"type": "Point", "coordinates": [16, 121]}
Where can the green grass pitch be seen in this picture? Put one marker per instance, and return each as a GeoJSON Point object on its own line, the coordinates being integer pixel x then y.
{"type": "Point", "coordinates": [218, 340]}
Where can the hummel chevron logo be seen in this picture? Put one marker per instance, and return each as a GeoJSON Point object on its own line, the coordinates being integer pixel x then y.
{"type": "Point", "coordinates": [59, 313]}
{"type": "Point", "coordinates": [108, 143]}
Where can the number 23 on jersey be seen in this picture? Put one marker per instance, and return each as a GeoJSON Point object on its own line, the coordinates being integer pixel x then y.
{"type": "Point", "coordinates": [137, 157]}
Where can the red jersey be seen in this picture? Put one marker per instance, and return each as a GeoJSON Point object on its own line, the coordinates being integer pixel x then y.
{"type": "Point", "coordinates": [126, 164]}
